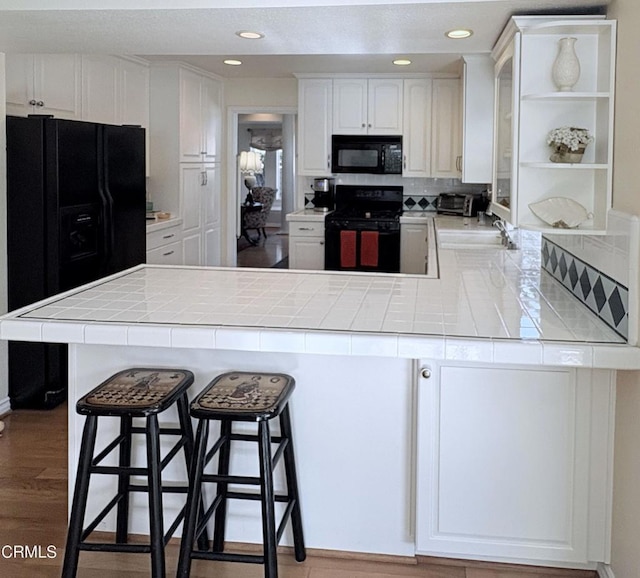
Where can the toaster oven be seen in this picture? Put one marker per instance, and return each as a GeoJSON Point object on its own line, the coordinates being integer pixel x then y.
{"type": "Point", "coordinates": [462, 204]}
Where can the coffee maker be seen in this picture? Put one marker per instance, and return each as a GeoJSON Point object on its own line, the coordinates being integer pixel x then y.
{"type": "Point", "coordinates": [323, 194]}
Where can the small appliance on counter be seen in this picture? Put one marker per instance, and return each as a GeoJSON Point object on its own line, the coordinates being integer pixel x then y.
{"type": "Point", "coordinates": [462, 204]}
{"type": "Point", "coordinates": [323, 194]}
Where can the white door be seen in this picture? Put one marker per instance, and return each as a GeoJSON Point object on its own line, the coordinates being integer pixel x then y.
{"type": "Point", "coordinates": [19, 84]}
{"type": "Point", "coordinates": [100, 86]}
{"type": "Point", "coordinates": [306, 253]}
{"type": "Point", "coordinates": [350, 106]}
{"type": "Point", "coordinates": [192, 182]}
{"type": "Point", "coordinates": [416, 133]}
{"type": "Point", "coordinates": [212, 217]}
{"type": "Point", "coordinates": [446, 155]}
{"type": "Point", "coordinates": [57, 84]}
{"type": "Point", "coordinates": [314, 126]}
{"type": "Point", "coordinates": [384, 106]}
{"type": "Point", "coordinates": [211, 120]}
{"type": "Point", "coordinates": [190, 117]}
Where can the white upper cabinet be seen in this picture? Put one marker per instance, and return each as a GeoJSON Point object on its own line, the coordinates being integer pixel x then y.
{"type": "Point", "coordinates": [416, 133]}
{"type": "Point", "coordinates": [477, 118]}
{"type": "Point", "coordinates": [367, 106]}
{"type": "Point", "coordinates": [525, 56]}
{"type": "Point", "coordinates": [199, 118]}
{"type": "Point", "coordinates": [100, 86]}
{"type": "Point", "coordinates": [134, 93]}
{"type": "Point", "coordinates": [446, 152]}
{"type": "Point", "coordinates": [43, 84]}
{"type": "Point", "coordinates": [315, 97]}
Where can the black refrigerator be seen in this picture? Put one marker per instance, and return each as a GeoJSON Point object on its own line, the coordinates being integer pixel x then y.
{"type": "Point", "coordinates": [75, 213]}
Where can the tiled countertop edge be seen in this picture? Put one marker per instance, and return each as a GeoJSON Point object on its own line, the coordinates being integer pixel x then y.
{"type": "Point", "coordinates": [437, 348]}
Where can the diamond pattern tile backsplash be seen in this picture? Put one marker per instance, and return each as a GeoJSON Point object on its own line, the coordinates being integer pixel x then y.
{"type": "Point", "coordinates": [607, 298]}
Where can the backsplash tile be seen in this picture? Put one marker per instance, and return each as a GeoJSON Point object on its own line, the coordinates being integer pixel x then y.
{"type": "Point", "coordinates": [607, 298]}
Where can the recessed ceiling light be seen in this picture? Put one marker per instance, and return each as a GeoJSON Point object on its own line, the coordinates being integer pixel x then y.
{"type": "Point", "coordinates": [402, 62]}
{"type": "Point", "coordinates": [459, 33]}
{"type": "Point", "coordinates": [232, 62]}
{"type": "Point", "coordinates": [250, 35]}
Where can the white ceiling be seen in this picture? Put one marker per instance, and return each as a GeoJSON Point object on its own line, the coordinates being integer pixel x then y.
{"type": "Point", "coordinates": [300, 35]}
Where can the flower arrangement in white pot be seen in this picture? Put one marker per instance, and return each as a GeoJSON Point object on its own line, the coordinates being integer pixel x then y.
{"type": "Point", "coordinates": [568, 144]}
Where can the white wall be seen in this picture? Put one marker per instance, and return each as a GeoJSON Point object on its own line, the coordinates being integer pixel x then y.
{"type": "Point", "coordinates": [4, 383]}
{"type": "Point", "coordinates": [625, 554]}
{"type": "Point", "coordinates": [261, 92]}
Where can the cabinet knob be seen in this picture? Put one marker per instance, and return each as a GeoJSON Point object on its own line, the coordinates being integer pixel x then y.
{"type": "Point", "coordinates": [425, 372]}
{"type": "Point", "coordinates": [369, 125]}
{"type": "Point", "coordinates": [328, 161]}
{"type": "Point", "coordinates": [40, 103]}
{"type": "Point", "coordinates": [363, 125]}
{"type": "Point", "coordinates": [32, 102]}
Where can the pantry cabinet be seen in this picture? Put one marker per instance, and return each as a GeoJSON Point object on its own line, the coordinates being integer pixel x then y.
{"type": "Point", "coordinates": [43, 84]}
{"type": "Point", "coordinates": [511, 462]}
{"type": "Point", "coordinates": [367, 106]}
{"type": "Point", "coordinates": [315, 108]}
{"type": "Point", "coordinates": [529, 105]}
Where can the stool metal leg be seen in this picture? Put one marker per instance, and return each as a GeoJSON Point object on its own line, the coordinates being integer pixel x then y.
{"type": "Point", "coordinates": [268, 501]}
{"type": "Point", "coordinates": [292, 486]}
{"type": "Point", "coordinates": [221, 490]}
{"type": "Point", "coordinates": [155, 498]}
{"type": "Point", "coordinates": [185, 424]}
{"type": "Point", "coordinates": [124, 460]}
{"type": "Point", "coordinates": [193, 499]}
{"type": "Point", "coordinates": [79, 506]}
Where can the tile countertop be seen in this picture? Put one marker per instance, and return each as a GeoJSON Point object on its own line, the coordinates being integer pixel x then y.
{"type": "Point", "coordinates": [488, 305]}
{"type": "Point", "coordinates": [307, 215]}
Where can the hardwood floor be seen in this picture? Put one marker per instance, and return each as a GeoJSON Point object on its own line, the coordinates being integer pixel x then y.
{"type": "Point", "coordinates": [267, 253]}
{"type": "Point", "coordinates": [33, 513]}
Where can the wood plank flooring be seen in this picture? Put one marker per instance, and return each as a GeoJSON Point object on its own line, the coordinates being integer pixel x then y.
{"type": "Point", "coordinates": [266, 253]}
{"type": "Point", "coordinates": [33, 512]}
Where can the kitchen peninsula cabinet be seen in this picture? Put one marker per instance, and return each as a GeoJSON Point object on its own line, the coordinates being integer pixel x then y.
{"type": "Point", "coordinates": [43, 84]}
{"type": "Point", "coordinates": [529, 106]}
{"type": "Point", "coordinates": [511, 462]}
{"type": "Point", "coordinates": [306, 240]}
{"type": "Point", "coordinates": [367, 106]}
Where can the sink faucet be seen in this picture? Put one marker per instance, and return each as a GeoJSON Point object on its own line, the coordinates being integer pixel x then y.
{"type": "Point", "coordinates": [506, 239]}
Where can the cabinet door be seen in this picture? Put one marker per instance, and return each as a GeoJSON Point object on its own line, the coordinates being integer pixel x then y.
{"type": "Point", "coordinates": [413, 249]}
{"type": "Point", "coordinates": [57, 84]}
{"type": "Point", "coordinates": [192, 183]}
{"type": "Point", "coordinates": [315, 98]}
{"type": "Point", "coordinates": [212, 218]}
{"type": "Point", "coordinates": [509, 464]}
{"type": "Point", "coordinates": [190, 117]}
{"type": "Point", "coordinates": [192, 248]}
{"type": "Point", "coordinates": [384, 106]}
{"type": "Point", "coordinates": [134, 93]}
{"type": "Point", "coordinates": [445, 136]}
{"type": "Point", "coordinates": [100, 89]}
{"type": "Point", "coordinates": [306, 253]}
{"type": "Point", "coordinates": [350, 106]}
{"type": "Point", "coordinates": [211, 119]}
{"type": "Point", "coordinates": [416, 133]}
{"type": "Point", "coordinates": [19, 84]}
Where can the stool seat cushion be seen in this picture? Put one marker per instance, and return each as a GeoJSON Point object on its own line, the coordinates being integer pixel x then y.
{"type": "Point", "coordinates": [136, 392]}
{"type": "Point", "coordinates": [244, 396]}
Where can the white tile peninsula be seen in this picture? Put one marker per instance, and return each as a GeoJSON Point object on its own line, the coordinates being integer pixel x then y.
{"type": "Point", "coordinates": [468, 416]}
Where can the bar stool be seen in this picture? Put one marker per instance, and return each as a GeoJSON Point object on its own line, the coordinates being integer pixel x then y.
{"type": "Point", "coordinates": [242, 397]}
{"type": "Point", "coordinates": [141, 393]}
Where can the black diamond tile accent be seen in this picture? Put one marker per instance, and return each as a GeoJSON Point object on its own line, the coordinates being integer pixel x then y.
{"type": "Point", "coordinates": [616, 306]}
{"type": "Point", "coordinates": [563, 266]}
{"type": "Point", "coordinates": [306, 201]}
{"type": "Point", "coordinates": [599, 294]}
{"type": "Point", "coordinates": [545, 254]}
{"type": "Point", "coordinates": [410, 203]}
{"type": "Point", "coordinates": [554, 260]}
{"type": "Point", "coordinates": [585, 284]}
{"type": "Point", "coordinates": [424, 203]}
{"type": "Point", "coordinates": [573, 274]}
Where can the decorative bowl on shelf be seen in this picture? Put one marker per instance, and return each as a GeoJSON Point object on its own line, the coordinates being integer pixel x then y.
{"type": "Point", "coordinates": [561, 212]}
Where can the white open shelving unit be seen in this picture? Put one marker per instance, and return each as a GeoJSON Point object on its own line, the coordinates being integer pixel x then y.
{"type": "Point", "coordinates": [528, 106]}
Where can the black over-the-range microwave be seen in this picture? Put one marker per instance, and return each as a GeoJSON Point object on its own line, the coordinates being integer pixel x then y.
{"type": "Point", "coordinates": [380, 155]}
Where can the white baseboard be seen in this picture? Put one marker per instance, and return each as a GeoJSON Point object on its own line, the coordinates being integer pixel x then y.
{"type": "Point", "coordinates": [5, 406]}
{"type": "Point", "coordinates": [605, 571]}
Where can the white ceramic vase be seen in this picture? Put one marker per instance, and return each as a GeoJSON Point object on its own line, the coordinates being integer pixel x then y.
{"type": "Point", "coordinates": [566, 68]}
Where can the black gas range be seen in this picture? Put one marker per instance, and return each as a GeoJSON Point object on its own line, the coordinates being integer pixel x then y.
{"type": "Point", "coordinates": [363, 233]}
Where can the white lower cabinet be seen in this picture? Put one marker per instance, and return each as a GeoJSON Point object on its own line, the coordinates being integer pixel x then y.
{"type": "Point", "coordinates": [164, 247]}
{"type": "Point", "coordinates": [512, 463]}
{"type": "Point", "coordinates": [306, 245]}
{"type": "Point", "coordinates": [413, 248]}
